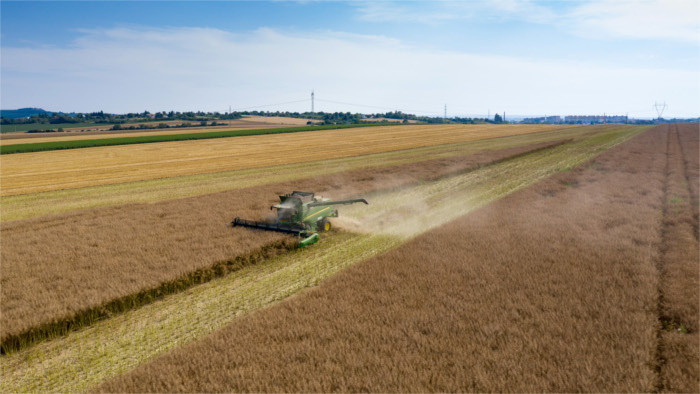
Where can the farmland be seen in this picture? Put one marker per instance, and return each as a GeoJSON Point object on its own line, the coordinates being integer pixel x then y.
{"type": "Point", "coordinates": [46, 171]}
{"type": "Point", "coordinates": [401, 321]}
{"type": "Point", "coordinates": [70, 244]}
{"type": "Point", "coordinates": [65, 200]}
{"type": "Point", "coordinates": [73, 131]}
{"type": "Point", "coordinates": [197, 134]}
{"type": "Point", "coordinates": [520, 216]}
{"type": "Point", "coordinates": [25, 138]}
{"type": "Point", "coordinates": [21, 128]}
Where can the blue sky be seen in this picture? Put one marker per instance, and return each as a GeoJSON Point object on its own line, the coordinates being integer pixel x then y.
{"type": "Point", "coordinates": [522, 57]}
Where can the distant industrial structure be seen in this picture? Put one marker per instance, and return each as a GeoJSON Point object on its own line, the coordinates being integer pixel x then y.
{"type": "Point", "coordinates": [578, 119]}
{"type": "Point", "coordinates": [592, 119]}
{"type": "Point", "coordinates": [544, 119]}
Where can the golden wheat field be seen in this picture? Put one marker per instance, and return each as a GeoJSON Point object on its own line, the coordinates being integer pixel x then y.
{"type": "Point", "coordinates": [55, 170]}
{"type": "Point", "coordinates": [166, 293]}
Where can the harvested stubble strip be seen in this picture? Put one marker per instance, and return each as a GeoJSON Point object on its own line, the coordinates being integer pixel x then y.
{"type": "Point", "coordinates": [553, 288]}
{"type": "Point", "coordinates": [54, 269]}
{"type": "Point", "coordinates": [678, 267]}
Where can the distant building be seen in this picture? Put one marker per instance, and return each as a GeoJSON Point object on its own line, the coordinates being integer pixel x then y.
{"type": "Point", "coordinates": [595, 119]}
{"type": "Point", "coordinates": [543, 119]}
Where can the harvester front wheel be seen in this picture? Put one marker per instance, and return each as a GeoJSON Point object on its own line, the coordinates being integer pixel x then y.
{"type": "Point", "coordinates": [324, 225]}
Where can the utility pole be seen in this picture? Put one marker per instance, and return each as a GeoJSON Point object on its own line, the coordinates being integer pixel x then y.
{"type": "Point", "coordinates": [504, 116]}
{"type": "Point", "coordinates": [444, 116]}
{"type": "Point", "coordinates": [312, 103]}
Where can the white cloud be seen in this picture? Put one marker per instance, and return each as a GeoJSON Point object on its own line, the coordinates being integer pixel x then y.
{"type": "Point", "coordinates": [639, 19]}
{"type": "Point", "coordinates": [616, 19]}
{"type": "Point", "coordinates": [135, 69]}
{"type": "Point", "coordinates": [434, 13]}
{"type": "Point", "coordinates": [384, 11]}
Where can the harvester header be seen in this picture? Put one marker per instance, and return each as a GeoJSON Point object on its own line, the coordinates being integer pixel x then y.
{"type": "Point", "coordinates": [300, 213]}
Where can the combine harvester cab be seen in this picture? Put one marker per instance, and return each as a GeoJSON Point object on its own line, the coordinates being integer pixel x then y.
{"type": "Point", "coordinates": [300, 213]}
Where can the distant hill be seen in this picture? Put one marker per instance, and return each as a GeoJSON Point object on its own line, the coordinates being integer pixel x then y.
{"type": "Point", "coordinates": [21, 113]}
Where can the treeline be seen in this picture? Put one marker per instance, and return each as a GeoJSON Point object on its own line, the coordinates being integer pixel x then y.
{"type": "Point", "coordinates": [324, 118]}
{"type": "Point", "coordinates": [349, 118]}
{"type": "Point", "coordinates": [102, 117]}
{"type": "Point", "coordinates": [142, 126]}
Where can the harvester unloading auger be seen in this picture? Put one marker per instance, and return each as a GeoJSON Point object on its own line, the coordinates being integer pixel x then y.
{"type": "Point", "coordinates": [300, 213]}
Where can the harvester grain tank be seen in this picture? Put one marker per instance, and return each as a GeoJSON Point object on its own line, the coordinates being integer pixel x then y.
{"type": "Point", "coordinates": [300, 213]}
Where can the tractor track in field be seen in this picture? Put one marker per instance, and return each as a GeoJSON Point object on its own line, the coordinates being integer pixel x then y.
{"type": "Point", "coordinates": [84, 358]}
{"type": "Point", "coordinates": [677, 333]}
{"type": "Point", "coordinates": [658, 385]}
{"type": "Point", "coordinates": [692, 192]}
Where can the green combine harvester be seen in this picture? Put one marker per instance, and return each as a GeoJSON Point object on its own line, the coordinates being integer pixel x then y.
{"type": "Point", "coordinates": [302, 214]}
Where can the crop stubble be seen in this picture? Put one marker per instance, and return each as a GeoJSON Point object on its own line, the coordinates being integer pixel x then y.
{"type": "Point", "coordinates": [553, 288]}
{"type": "Point", "coordinates": [45, 171]}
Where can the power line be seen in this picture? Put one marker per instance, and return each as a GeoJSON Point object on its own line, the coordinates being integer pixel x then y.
{"type": "Point", "coordinates": [355, 105]}
{"type": "Point", "coordinates": [272, 105]}
{"type": "Point", "coordinates": [374, 106]}
{"type": "Point", "coordinates": [313, 99]}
